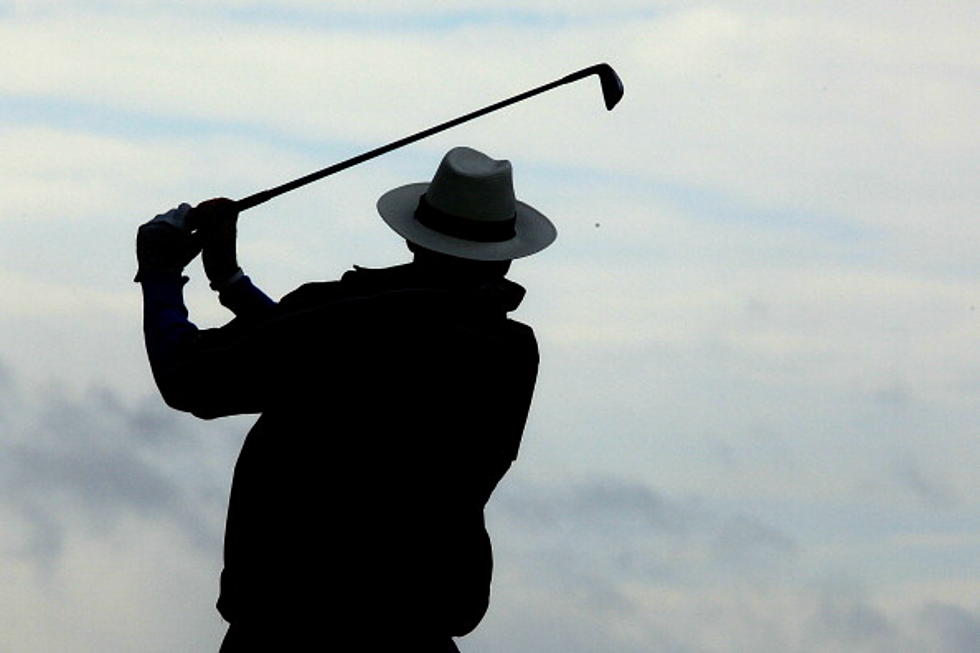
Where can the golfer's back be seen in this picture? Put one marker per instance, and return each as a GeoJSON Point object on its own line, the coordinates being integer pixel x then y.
{"type": "Point", "coordinates": [396, 406]}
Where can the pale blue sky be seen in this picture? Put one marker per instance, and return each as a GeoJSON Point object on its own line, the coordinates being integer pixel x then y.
{"type": "Point", "coordinates": [757, 417]}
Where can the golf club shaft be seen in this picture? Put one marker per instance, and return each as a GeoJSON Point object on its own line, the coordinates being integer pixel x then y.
{"type": "Point", "coordinates": [262, 196]}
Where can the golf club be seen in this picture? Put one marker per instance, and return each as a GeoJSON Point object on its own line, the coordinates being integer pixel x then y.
{"type": "Point", "coordinates": [612, 92]}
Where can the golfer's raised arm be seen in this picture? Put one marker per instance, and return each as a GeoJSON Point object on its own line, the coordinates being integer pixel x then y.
{"type": "Point", "coordinates": [196, 371]}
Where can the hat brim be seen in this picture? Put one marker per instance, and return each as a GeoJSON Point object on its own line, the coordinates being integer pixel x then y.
{"type": "Point", "coordinates": [534, 231]}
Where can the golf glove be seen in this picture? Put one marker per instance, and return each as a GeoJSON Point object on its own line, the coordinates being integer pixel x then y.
{"type": "Point", "coordinates": [216, 221]}
{"type": "Point", "coordinates": [165, 245]}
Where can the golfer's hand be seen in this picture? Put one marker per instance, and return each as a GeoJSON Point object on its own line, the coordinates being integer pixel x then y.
{"type": "Point", "coordinates": [165, 245]}
{"type": "Point", "coordinates": [216, 222]}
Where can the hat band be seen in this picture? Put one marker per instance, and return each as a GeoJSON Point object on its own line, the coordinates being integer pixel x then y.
{"type": "Point", "coordinates": [483, 231]}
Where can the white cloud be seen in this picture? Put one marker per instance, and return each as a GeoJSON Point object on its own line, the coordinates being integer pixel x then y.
{"type": "Point", "coordinates": [577, 571]}
{"type": "Point", "coordinates": [821, 111]}
{"type": "Point", "coordinates": [378, 7]}
{"type": "Point", "coordinates": [112, 511]}
{"type": "Point", "coordinates": [583, 563]}
{"type": "Point", "coordinates": [139, 588]}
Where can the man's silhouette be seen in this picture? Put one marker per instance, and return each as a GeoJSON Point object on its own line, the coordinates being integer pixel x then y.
{"type": "Point", "coordinates": [392, 402]}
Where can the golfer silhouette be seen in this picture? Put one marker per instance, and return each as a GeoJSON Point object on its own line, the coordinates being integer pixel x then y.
{"type": "Point", "coordinates": [392, 402]}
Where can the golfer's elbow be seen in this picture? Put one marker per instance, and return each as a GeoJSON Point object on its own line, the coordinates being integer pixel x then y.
{"type": "Point", "coordinates": [209, 400]}
{"type": "Point", "coordinates": [184, 395]}
{"type": "Point", "coordinates": [186, 402]}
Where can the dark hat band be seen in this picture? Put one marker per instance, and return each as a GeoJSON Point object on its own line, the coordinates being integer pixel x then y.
{"type": "Point", "coordinates": [483, 231]}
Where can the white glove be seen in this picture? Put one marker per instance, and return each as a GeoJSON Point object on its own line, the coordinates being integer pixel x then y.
{"type": "Point", "coordinates": [165, 245]}
{"type": "Point", "coordinates": [175, 217]}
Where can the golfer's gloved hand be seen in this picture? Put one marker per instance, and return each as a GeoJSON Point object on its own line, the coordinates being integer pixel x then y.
{"type": "Point", "coordinates": [216, 222]}
{"type": "Point", "coordinates": [165, 245]}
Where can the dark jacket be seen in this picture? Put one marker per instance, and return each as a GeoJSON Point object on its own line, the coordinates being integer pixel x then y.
{"type": "Point", "coordinates": [392, 403]}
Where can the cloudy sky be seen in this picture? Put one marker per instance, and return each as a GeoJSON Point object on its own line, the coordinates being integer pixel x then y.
{"type": "Point", "coordinates": [756, 422]}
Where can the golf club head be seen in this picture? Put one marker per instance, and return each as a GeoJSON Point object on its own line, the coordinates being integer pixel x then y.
{"type": "Point", "coordinates": [612, 85]}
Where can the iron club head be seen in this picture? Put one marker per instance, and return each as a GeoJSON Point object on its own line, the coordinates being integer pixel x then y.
{"type": "Point", "coordinates": [612, 85]}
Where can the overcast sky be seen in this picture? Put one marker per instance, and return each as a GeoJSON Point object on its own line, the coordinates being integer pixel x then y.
{"type": "Point", "coordinates": [756, 422]}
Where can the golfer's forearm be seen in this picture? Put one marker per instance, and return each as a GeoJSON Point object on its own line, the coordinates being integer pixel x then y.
{"type": "Point", "coordinates": [245, 299]}
{"type": "Point", "coordinates": [165, 318]}
{"type": "Point", "coordinates": [200, 372]}
{"type": "Point", "coordinates": [166, 331]}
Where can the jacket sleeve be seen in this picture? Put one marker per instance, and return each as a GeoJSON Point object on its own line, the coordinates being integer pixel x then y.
{"type": "Point", "coordinates": [212, 372]}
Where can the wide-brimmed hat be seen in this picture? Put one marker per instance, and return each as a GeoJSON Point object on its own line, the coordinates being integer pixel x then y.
{"type": "Point", "coordinates": [468, 210]}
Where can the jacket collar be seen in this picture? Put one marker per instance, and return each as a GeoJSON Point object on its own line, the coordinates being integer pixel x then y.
{"type": "Point", "coordinates": [497, 294]}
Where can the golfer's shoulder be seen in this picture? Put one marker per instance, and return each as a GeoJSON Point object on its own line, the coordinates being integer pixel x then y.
{"type": "Point", "coordinates": [357, 295]}
{"type": "Point", "coordinates": [319, 293]}
{"type": "Point", "coordinates": [310, 295]}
